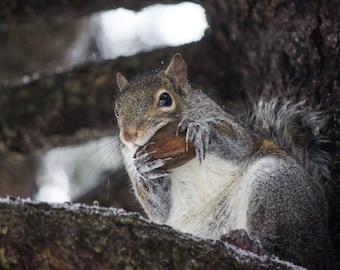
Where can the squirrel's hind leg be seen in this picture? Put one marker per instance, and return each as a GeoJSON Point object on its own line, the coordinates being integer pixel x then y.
{"type": "Point", "coordinates": [241, 239]}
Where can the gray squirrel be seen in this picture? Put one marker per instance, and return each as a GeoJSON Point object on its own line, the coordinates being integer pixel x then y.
{"type": "Point", "coordinates": [258, 172]}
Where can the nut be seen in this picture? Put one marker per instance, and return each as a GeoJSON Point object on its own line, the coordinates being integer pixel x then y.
{"type": "Point", "coordinates": [166, 144]}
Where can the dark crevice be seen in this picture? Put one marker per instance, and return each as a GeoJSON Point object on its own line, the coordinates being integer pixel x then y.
{"type": "Point", "coordinates": [318, 42]}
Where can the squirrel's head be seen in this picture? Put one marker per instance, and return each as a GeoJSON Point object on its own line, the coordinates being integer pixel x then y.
{"type": "Point", "coordinates": [151, 101]}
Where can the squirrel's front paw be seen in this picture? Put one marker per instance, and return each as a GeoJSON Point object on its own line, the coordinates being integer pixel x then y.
{"type": "Point", "coordinates": [198, 133]}
{"type": "Point", "coordinates": [147, 168]}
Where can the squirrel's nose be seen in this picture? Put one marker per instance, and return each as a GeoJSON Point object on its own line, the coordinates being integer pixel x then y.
{"type": "Point", "coordinates": [128, 135]}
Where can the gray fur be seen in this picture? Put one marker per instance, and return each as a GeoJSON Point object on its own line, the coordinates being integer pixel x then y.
{"type": "Point", "coordinates": [260, 173]}
{"type": "Point", "coordinates": [297, 129]}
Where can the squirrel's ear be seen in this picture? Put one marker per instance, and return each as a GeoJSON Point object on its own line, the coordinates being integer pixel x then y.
{"type": "Point", "coordinates": [177, 71]}
{"type": "Point", "coordinates": [121, 81]}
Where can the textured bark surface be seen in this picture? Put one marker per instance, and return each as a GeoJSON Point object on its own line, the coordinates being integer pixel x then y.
{"type": "Point", "coordinates": [68, 236]}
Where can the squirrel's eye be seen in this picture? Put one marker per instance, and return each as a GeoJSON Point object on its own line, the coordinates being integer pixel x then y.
{"type": "Point", "coordinates": [116, 114]}
{"type": "Point", "coordinates": [165, 100]}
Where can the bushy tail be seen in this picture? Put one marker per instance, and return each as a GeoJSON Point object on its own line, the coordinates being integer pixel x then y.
{"type": "Point", "coordinates": [298, 130]}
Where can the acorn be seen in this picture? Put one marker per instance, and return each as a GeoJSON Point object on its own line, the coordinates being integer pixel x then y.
{"type": "Point", "coordinates": [165, 143]}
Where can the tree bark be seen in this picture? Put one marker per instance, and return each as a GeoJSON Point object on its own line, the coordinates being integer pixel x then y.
{"type": "Point", "coordinates": [67, 236]}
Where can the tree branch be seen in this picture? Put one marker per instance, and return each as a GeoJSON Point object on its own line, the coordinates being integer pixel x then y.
{"type": "Point", "coordinates": [66, 236]}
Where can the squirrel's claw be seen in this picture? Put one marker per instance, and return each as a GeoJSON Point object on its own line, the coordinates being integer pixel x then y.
{"type": "Point", "coordinates": [183, 125]}
{"type": "Point", "coordinates": [198, 133]}
{"type": "Point", "coordinates": [149, 169]}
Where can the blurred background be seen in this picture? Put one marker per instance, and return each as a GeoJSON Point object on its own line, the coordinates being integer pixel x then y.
{"type": "Point", "coordinates": [88, 169]}
{"type": "Point", "coordinates": [34, 47]}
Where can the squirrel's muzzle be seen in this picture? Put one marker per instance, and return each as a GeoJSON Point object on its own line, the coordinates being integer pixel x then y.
{"type": "Point", "coordinates": [128, 135]}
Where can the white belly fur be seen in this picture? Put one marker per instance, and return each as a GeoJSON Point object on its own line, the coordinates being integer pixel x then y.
{"type": "Point", "coordinates": [200, 190]}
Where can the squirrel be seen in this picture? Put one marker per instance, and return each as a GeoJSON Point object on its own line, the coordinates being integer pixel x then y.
{"type": "Point", "coordinates": [258, 172]}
